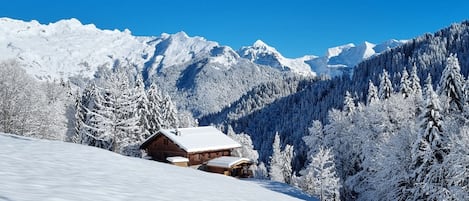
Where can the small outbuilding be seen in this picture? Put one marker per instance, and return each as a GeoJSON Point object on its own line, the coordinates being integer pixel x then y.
{"type": "Point", "coordinates": [198, 145]}
{"type": "Point", "coordinates": [230, 166]}
{"type": "Point", "coordinates": [178, 161]}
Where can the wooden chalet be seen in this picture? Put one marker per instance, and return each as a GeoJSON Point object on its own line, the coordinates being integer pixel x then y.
{"type": "Point", "coordinates": [198, 145]}
{"type": "Point", "coordinates": [230, 166]}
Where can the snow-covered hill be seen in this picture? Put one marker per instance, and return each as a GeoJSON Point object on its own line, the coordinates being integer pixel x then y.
{"type": "Point", "coordinates": [33, 169]}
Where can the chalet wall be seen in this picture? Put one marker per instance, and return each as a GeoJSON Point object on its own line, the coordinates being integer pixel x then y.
{"type": "Point", "coordinates": [162, 147]}
{"type": "Point", "coordinates": [202, 157]}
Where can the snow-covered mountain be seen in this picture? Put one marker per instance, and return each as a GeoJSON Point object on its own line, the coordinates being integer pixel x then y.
{"type": "Point", "coordinates": [263, 54]}
{"type": "Point", "coordinates": [201, 75]}
{"type": "Point", "coordinates": [344, 57]}
{"type": "Point", "coordinates": [52, 170]}
{"type": "Point", "coordinates": [67, 48]}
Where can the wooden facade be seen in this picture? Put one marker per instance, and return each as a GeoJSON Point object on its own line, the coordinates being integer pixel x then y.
{"type": "Point", "coordinates": [161, 147]}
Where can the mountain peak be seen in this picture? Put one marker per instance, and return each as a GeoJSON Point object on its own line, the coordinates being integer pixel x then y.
{"type": "Point", "coordinates": [260, 44]}
{"type": "Point", "coordinates": [180, 34]}
{"type": "Point", "coordinates": [334, 51]}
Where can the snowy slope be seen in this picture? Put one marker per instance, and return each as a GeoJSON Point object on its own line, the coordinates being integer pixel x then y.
{"type": "Point", "coordinates": [33, 169]}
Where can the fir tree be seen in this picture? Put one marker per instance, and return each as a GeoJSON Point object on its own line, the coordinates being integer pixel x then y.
{"type": "Point", "coordinates": [154, 116]}
{"type": "Point", "coordinates": [349, 104]}
{"type": "Point", "coordinates": [415, 81]}
{"type": "Point", "coordinates": [280, 162]}
{"type": "Point", "coordinates": [429, 150]}
{"type": "Point", "coordinates": [320, 178]}
{"type": "Point", "coordinates": [142, 107]}
{"type": "Point", "coordinates": [275, 170]}
{"type": "Point", "coordinates": [385, 86]}
{"type": "Point", "coordinates": [452, 86]}
{"type": "Point", "coordinates": [405, 85]}
{"type": "Point", "coordinates": [372, 93]}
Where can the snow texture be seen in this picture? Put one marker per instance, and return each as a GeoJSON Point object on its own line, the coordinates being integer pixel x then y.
{"type": "Point", "coordinates": [198, 139]}
{"type": "Point", "coordinates": [35, 169]}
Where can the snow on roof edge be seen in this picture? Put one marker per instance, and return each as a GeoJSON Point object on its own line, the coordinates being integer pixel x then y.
{"type": "Point", "coordinates": [177, 159]}
{"type": "Point", "coordinates": [226, 161]}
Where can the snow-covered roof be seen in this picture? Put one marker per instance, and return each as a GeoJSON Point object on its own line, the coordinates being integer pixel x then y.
{"type": "Point", "coordinates": [197, 139]}
{"type": "Point", "coordinates": [177, 159]}
{"type": "Point", "coordinates": [227, 161]}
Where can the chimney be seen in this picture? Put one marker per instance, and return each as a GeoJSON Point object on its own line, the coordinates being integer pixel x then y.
{"type": "Point", "coordinates": [177, 132]}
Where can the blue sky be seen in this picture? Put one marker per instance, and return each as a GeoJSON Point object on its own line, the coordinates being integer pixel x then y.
{"type": "Point", "coordinates": [294, 27]}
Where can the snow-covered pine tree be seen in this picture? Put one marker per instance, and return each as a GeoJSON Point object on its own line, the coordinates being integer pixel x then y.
{"type": "Point", "coordinates": [79, 119]}
{"type": "Point", "coordinates": [169, 113]}
{"type": "Point", "coordinates": [372, 93]}
{"type": "Point", "coordinates": [287, 158]}
{"type": "Point", "coordinates": [451, 88]}
{"type": "Point", "coordinates": [429, 151]}
{"type": "Point", "coordinates": [415, 81]}
{"type": "Point", "coordinates": [100, 119]}
{"type": "Point", "coordinates": [280, 162]}
{"type": "Point", "coordinates": [385, 86]}
{"type": "Point", "coordinates": [349, 104]}
{"type": "Point", "coordinates": [154, 116]}
{"type": "Point", "coordinates": [405, 86]}
{"type": "Point", "coordinates": [142, 108]}
{"type": "Point", "coordinates": [123, 101]}
{"type": "Point", "coordinates": [275, 170]}
{"type": "Point", "coordinates": [321, 179]}
{"type": "Point", "coordinates": [457, 163]}
{"type": "Point", "coordinates": [315, 139]}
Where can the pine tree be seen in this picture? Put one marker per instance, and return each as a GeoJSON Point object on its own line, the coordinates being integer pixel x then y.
{"type": "Point", "coordinates": [169, 113]}
{"type": "Point", "coordinates": [405, 85]}
{"type": "Point", "coordinates": [429, 150]}
{"type": "Point", "coordinates": [415, 82]}
{"type": "Point", "coordinates": [287, 157]}
{"type": "Point", "coordinates": [79, 120]}
{"type": "Point", "coordinates": [320, 177]}
{"type": "Point", "coordinates": [349, 104]}
{"type": "Point", "coordinates": [315, 139]}
{"type": "Point", "coordinates": [275, 170]}
{"type": "Point", "coordinates": [452, 86]}
{"type": "Point", "coordinates": [142, 107]}
{"type": "Point", "coordinates": [457, 163]}
{"type": "Point", "coordinates": [111, 115]}
{"type": "Point", "coordinates": [372, 94]}
{"type": "Point", "coordinates": [280, 162]}
{"type": "Point", "coordinates": [385, 86]}
{"type": "Point", "coordinates": [154, 116]}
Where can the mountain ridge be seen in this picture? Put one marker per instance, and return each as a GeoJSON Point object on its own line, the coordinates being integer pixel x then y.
{"type": "Point", "coordinates": [104, 47]}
